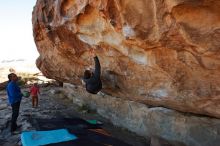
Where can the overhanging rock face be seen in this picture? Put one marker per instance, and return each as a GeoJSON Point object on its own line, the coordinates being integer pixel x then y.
{"type": "Point", "coordinates": [157, 52]}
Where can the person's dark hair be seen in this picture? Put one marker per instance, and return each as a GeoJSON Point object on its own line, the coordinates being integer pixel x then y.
{"type": "Point", "coordinates": [35, 84]}
{"type": "Point", "coordinates": [87, 74]}
{"type": "Point", "coordinates": [10, 76]}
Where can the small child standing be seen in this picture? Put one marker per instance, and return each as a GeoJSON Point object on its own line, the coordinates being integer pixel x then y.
{"type": "Point", "coordinates": [34, 90]}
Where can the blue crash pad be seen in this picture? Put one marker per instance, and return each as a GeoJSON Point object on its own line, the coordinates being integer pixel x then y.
{"type": "Point", "coordinates": [36, 138]}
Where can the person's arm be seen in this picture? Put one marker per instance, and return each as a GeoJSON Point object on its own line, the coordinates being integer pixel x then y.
{"type": "Point", "coordinates": [97, 67]}
{"type": "Point", "coordinates": [38, 90]}
{"type": "Point", "coordinates": [18, 91]}
{"type": "Point", "coordinates": [31, 89]}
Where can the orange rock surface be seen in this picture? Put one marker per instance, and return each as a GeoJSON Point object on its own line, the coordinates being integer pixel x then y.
{"type": "Point", "coordinates": [158, 52]}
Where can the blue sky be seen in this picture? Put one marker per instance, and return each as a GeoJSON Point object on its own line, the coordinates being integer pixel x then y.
{"type": "Point", "coordinates": [16, 39]}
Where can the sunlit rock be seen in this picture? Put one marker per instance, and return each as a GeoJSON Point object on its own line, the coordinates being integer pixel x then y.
{"type": "Point", "coordinates": [157, 52]}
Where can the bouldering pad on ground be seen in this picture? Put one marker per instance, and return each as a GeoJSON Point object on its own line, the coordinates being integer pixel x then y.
{"type": "Point", "coordinates": [37, 138]}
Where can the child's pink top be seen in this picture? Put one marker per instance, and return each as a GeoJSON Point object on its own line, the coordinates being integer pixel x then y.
{"type": "Point", "coordinates": [34, 91]}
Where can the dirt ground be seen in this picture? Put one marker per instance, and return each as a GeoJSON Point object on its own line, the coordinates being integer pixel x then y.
{"type": "Point", "coordinates": [55, 105]}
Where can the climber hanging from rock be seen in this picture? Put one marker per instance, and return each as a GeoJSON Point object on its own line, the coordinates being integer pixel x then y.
{"type": "Point", "coordinates": [92, 79]}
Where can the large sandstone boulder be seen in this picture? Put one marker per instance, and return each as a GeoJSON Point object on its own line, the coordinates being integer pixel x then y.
{"type": "Point", "coordinates": [157, 52]}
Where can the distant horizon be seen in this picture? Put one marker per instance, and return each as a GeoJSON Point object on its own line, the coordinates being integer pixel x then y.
{"type": "Point", "coordinates": [16, 35]}
{"type": "Point", "coordinates": [14, 60]}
